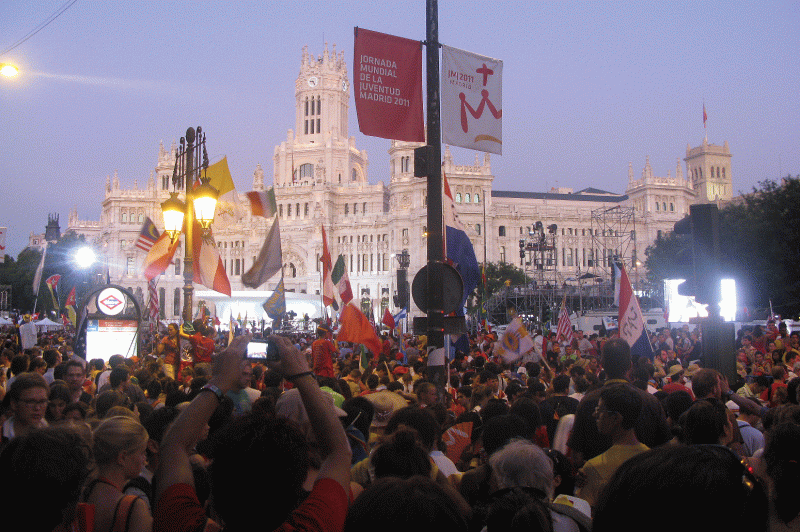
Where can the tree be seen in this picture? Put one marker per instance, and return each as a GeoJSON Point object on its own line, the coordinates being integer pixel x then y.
{"type": "Point", "coordinates": [19, 275]}
{"type": "Point", "coordinates": [759, 244]}
{"type": "Point", "coordinates": [497, 273]}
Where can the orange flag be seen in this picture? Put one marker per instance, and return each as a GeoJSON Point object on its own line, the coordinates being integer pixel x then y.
{"type": "Point", "coordinates": [356, 328]}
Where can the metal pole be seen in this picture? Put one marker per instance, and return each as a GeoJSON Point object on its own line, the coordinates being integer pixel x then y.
{"type": "Point", "coordinates": [435, 234]}
{"type": "Point", "coordinates": [188, 257]}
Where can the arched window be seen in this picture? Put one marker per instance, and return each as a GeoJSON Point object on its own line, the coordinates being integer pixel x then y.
{"type": "Point", "coordinates": [458, 197]}
{"type": "Point", "coordinates": [124, 217]}
{"type": "Point", "coordinates": [292, 270]}
{"type": "Point", "coordinates": [354, 175]}
{"type": "Point", "coordinates": [306, 210]}
{"type": "Point", "coordinates": [671, 207]}
{"type": "Point", "coordinates": [306, 171]}
{"type": "Point", "coordinates": [664, 206]}
{"type": "Point", "coordinates": [467, 198]}
{"type": "Point", "coordinates": [477, 197]}
{"type": "Point", "coordinates": [657, 205]}
{"type": "Point", "coordinates": [478, 228]}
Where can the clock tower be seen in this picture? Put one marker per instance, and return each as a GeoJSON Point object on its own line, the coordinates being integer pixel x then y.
{"type": "Point", "coordinates": [322, 94]}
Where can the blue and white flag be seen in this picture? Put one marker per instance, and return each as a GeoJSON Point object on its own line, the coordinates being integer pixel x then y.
{"type": "Point", "coordinates": [631, 323]}
{"type": "Point", "coordinates": [617, 278]}
{"type": "Point", "coordinates": [400, 315]}
{"type": "Point", "coordinates": [458, 246]}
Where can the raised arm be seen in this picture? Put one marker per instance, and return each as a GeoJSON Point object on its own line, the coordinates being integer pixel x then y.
{"type": "Point", "coordinates": [187, 429]}
{"type": "Point", "coordinates": [327, 428]}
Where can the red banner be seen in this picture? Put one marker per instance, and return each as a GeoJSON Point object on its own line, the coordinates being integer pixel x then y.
{"type": "Point", "coordinates": [387, 82]}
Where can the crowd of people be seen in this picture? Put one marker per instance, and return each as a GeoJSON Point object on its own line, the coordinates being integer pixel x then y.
{"type": "Point", "coordinates": [576, 434]}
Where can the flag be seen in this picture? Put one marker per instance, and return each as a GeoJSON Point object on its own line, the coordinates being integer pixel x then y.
{"type": "Point", "coordinates": [220, 178]}
{"type": "Point", "coordinates": [52, 284]}
{"type": "Point", "coordinates": [456, 439]}
{"type": "Point", "coordinates": [388, 88]}
{"type": "Point", "coordinates": [471, 100]}
{"type": "Point", "coordinates": [355, 327]}
{"type": "Point", "coordinates": [617, 279]}
{"type": "Point", "coordinates": [147, 236]}
{"type": "Point", "coordinates": [269, 260]}
{"type": "Point", "coordinates": [631, 323]}
{"type": "Point", "coordinates": [705, 116]}
{"type": "Point", "coordinates": [207, 266]}
{"type": "Point", "coordinates": [403, 314]}
{"type": "Point", "coordinates": [341, 280]}
{"type": "Point", "coordinates": [388, 319]}
{"type": "Point", "coordinates": [3, 244]}
{"type": "Point", "coordinates": [152, 304]}
{"type": "Point", "coordinates": [231, 329]}
{"type": "Point", "coordinates": [159, 256]}
{"type": "Point", "coordinates": [564, 329]}
{"type": "Point", "coordinates": [515, 341]}
{"type": "Point", "coordinates": [37, 277]}
{"type": "Point", "coordinates": [328, 290]}
{"type": "Point", "coordinates": [69, 306]}
{"type": "Point", "coordinates": [363, 357]}
{"type": "Point", "coordinates": [458, 247]}
{"type": "Point", "coordinates": [262, 203]}
{"type": "Point", "coordinates": [275, 305]}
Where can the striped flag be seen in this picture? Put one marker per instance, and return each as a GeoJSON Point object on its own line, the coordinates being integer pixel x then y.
{"type": "Point", "coordinates": [328, 288]}
{"type": "Point", "coordinates": [208, 268]}
{"type": "Point", "coordinates": [341, 280]}
{"type": "Point", "coordinates": [564, 329]}
{"type": "Point", "coordinates": [147, 236]}
{"type": "Point", "coordinates": [262, 203]}
{"type": "Point", "coordinates": [69, 306]}
{"type": "Point", "coordinates": [52, 284]}
{"type": "Point", "coordinates": [159, 256]}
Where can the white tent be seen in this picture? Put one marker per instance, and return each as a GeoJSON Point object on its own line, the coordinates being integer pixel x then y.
{"type": "Point", "coordinates": [48, 325]}
{"type": "Point", "coordinates": [5, 321]}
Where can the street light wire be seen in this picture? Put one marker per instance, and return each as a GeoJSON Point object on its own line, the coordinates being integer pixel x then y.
{"type": "Point", "coordinates": [40, 27]}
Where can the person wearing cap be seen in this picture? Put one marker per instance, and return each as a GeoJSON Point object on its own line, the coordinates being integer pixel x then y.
{"type": "Point", "coordinates": [676, 373]}
{"type": "Point", "coordinates": [322, 351]}
{"type": "Point", "coordinates": [27, 333]}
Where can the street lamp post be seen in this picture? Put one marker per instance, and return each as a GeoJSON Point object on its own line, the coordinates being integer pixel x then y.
{"type": "Point", "coordinates": [190, 161]}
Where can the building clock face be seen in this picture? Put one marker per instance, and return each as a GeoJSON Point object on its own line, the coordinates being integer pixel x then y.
{"type": "Point", "coordinates": [313, 81]}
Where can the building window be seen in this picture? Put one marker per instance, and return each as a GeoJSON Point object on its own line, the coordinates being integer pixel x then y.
{"type": "Point", "coordinates": [477, 197]}
{"type": "Point", "coordinates": [354, 175]}
{"type": "Point", "coordinates": [124, 217]}
{"type": "Point", "coordinates": [305, 211]}
{"type": "Point", "coordinates": [656, 206]}
{"type": "Point", "coordinates": [292, 270]}
{"type": "Point", "coordinates": [671, 207]}
{"type": "Point", "coordinates": [502, 253]}
{"type": "Point", "coordinates": [141, 218]}
{"type": "Point", "coordinates": [478, 228]}
{"type": "Point", "coordinates": [131, 266]}
{"type": "Point", "coordinates": [346, 209]}
{"type": "Point", "coordinates": [501, 231]}
{"type": "Point", "coordinates": [237, 267]}
{"type": "Point", "coordinates": [289, 210]}
{"type": "Point", "coordinates": [176, 302]}
{"type": "Point", "coordinates": [306, 170]}
{"type": "Point", "coordinates": [122, 244]}
{"type": "Point", "coordinates": [723, 173]}
{"type": "Point", "coordinates": [280, 210]}
{"type": "Point", "coordinates": [467, 198]}
{"type": "Point", "coordinates": [364, 208]}
{"type": "Point", "coordinates": [458, 197]}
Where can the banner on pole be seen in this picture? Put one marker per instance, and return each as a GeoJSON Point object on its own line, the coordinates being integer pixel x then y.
{"type": "Point", "coordinates": [387, 84]}
{"type": "Point", "coordinates": [472, 100]}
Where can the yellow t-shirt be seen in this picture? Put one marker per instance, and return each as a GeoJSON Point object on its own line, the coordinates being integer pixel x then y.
{"type": "Point", "coordinates": [601, 468]}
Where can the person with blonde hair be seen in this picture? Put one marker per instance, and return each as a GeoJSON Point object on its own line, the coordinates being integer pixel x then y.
{"type": "Point", "coordinates": [119, 452]}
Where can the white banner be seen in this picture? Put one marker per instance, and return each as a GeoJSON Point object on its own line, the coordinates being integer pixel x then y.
{"type": "Point", "coordinates": [472, 100]}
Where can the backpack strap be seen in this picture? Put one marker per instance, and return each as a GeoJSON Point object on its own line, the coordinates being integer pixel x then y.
{"type": "Point", "coordinates": [122, 513]}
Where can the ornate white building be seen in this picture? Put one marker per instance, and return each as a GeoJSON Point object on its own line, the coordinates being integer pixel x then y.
{"type": "Point", "coordinates": [321, 178]}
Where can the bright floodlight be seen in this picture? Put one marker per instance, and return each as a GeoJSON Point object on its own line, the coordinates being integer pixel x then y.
{"type": "Point", "coordinates": [85, 257]}
{"type": "Point", "coordinates": [8, 70]}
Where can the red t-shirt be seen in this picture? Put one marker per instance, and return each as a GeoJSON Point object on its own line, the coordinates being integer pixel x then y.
{"type": "Point", "coordinates": [203, 348]}
{"type": "Point", "coordinates": [324, 510]}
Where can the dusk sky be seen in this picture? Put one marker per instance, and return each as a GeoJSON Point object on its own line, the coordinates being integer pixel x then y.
{"type": "Point", "coordinates": [588, 88]}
